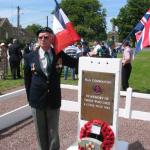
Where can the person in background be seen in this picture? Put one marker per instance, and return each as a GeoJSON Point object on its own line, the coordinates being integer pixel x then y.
{"type": "Point", "coordinates": [114, 53]}
{"type": "Point", "coordinates": [0, 53]}
{"type": "Point", "coordinates": [4, 59]}
{"type": "Point", "coordinates": [27, 48]}
{"type": "Point", "coordinates": [36, 46]}
{"type": "Point", "coordinates": [85, 48]}
{"type": "Point", "coordinates": [80, 52]}
{"type": "Point", "coordinates": [104, 51]}
{"type": "Point", "coordinates": [79, 49]}
{"type": "Point", "coordinates": [42, 83]}
{"type": "Point", "coordinates": [96, 48]}
{"type": "Point", "coordinates": [126, 65]}
{"type": "Point", "coordinates": [113, 49]}
{"type": "Point", "coordinates": [15, 56]}
{"type": "Point", "coordinates": [72, 51]}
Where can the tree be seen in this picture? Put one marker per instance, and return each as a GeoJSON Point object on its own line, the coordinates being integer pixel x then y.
{"type": "Point", "coordinates": [87, 16]}
{"type": "Point", "coordinates": [129, 16]}
{"type": "Point", "coordinates": [33, 28]}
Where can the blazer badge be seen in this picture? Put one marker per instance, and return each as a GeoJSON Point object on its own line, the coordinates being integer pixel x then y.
{"type": "Point", "coordinates": [33, 68]}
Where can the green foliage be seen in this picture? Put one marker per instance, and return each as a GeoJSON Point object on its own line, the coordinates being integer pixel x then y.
{"type": "Point", "coordinates": [87, 16]}
{"type": "Point", "coordinates": [33, 28]}
{"type": "Point", "coordinates": [129, 16]}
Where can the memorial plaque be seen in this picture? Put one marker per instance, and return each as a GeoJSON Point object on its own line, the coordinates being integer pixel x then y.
{"type": "Point", "coordinates": [97, 96]}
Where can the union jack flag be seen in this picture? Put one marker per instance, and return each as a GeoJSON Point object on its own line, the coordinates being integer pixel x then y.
{"type": "Point", "coordinates": [142, 32]}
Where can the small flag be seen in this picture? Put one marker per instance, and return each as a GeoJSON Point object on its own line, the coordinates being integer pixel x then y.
{"type": "Point", "coordinates": [64, 31]}
{"type": "Point", "coordinates": [142, 32]}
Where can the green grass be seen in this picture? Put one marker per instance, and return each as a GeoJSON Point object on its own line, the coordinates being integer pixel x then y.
{"type": "Point", "coordinates": [69, 80]}
{"type": "Point", "coordinates": [140, 76]}
{"type": "Point", "coordinates": [9, 83]}
{"type": "Point", "coordinates": [139, 79]}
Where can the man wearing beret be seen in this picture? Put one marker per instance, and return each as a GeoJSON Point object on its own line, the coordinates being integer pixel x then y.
{"type": "Point", "coordinates": [42, 83]}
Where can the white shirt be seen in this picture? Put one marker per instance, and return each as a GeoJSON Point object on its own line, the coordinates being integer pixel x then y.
{"type": "Point", "coordinates": [97, 47]}
{"type": "Point", "coordinates": [95, 50]}
{"type": "Point", "coordinates": [43, 60]}
{"type": "Point", "coordinates": [127, 55]}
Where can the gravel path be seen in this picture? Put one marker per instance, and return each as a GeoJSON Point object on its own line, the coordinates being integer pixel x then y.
{"type": "Point", "coordinates": [22, 135]}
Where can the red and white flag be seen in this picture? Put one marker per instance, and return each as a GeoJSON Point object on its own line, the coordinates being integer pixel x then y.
{"type": "Point", "coordinates": [65, 34]}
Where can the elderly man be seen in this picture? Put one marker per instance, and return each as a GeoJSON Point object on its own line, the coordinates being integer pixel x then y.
{"type": "Point", "coordinates": [42, 83]}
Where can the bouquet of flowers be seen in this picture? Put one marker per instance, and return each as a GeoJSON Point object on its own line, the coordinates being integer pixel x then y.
{"type": "Point", "coordinates": [96, 135]}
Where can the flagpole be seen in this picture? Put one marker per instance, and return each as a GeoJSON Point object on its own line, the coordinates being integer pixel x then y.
{"type": "Point", "coordinates": [134, 53]}
{"type": "Point", "coordinates": [128, 36]}
{"type": "Point", "coordinates": [126, 39]}
{"type": "Point", "coordinates": [56, 3]}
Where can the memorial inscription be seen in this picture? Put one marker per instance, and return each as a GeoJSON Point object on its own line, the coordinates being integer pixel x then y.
{"type": "Point", "coordinates": [97, 96]}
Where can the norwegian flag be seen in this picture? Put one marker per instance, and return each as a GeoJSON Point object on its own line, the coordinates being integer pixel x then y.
{"type": "Point", "coordinates": [142, 32]}
{"type": "Point", "coordinates": [64, 31]}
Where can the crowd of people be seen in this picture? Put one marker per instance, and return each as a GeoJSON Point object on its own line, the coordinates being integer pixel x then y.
{"type": "Point", "coordinates": [102, 50]}
{"type": "Point", "coordinates": [97, 49]}
{"type": "Point", "coordinates": [11, 55]}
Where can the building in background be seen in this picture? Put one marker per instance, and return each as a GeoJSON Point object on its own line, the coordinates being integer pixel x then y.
{"type": "Point", "coordinates": [7, 31]}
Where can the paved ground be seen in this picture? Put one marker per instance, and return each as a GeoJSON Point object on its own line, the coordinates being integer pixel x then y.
{"type": "Point", "coordinates": [22, 135]}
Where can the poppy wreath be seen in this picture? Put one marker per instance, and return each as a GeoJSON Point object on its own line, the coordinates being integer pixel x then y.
{"type": "Point", "coordinates": [106, 135]}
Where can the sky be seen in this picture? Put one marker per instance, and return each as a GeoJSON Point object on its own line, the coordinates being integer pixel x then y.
{"type": "Point", "coordinates": [36, 11]}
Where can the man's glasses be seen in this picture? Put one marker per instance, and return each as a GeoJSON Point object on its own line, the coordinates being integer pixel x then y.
{"type": "Point", "coordinates": [41, 37]}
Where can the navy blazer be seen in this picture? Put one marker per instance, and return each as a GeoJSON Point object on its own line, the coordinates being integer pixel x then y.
{"type": "Point", "coordinates": [43, 91]}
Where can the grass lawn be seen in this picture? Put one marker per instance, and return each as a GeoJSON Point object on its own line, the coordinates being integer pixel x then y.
{"type": "Point", "coordinates": [140, 75]}
{"type": "Point", "coordinates": [139, 79]}
{"type": "Point", "coordinates": [9, 83]}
